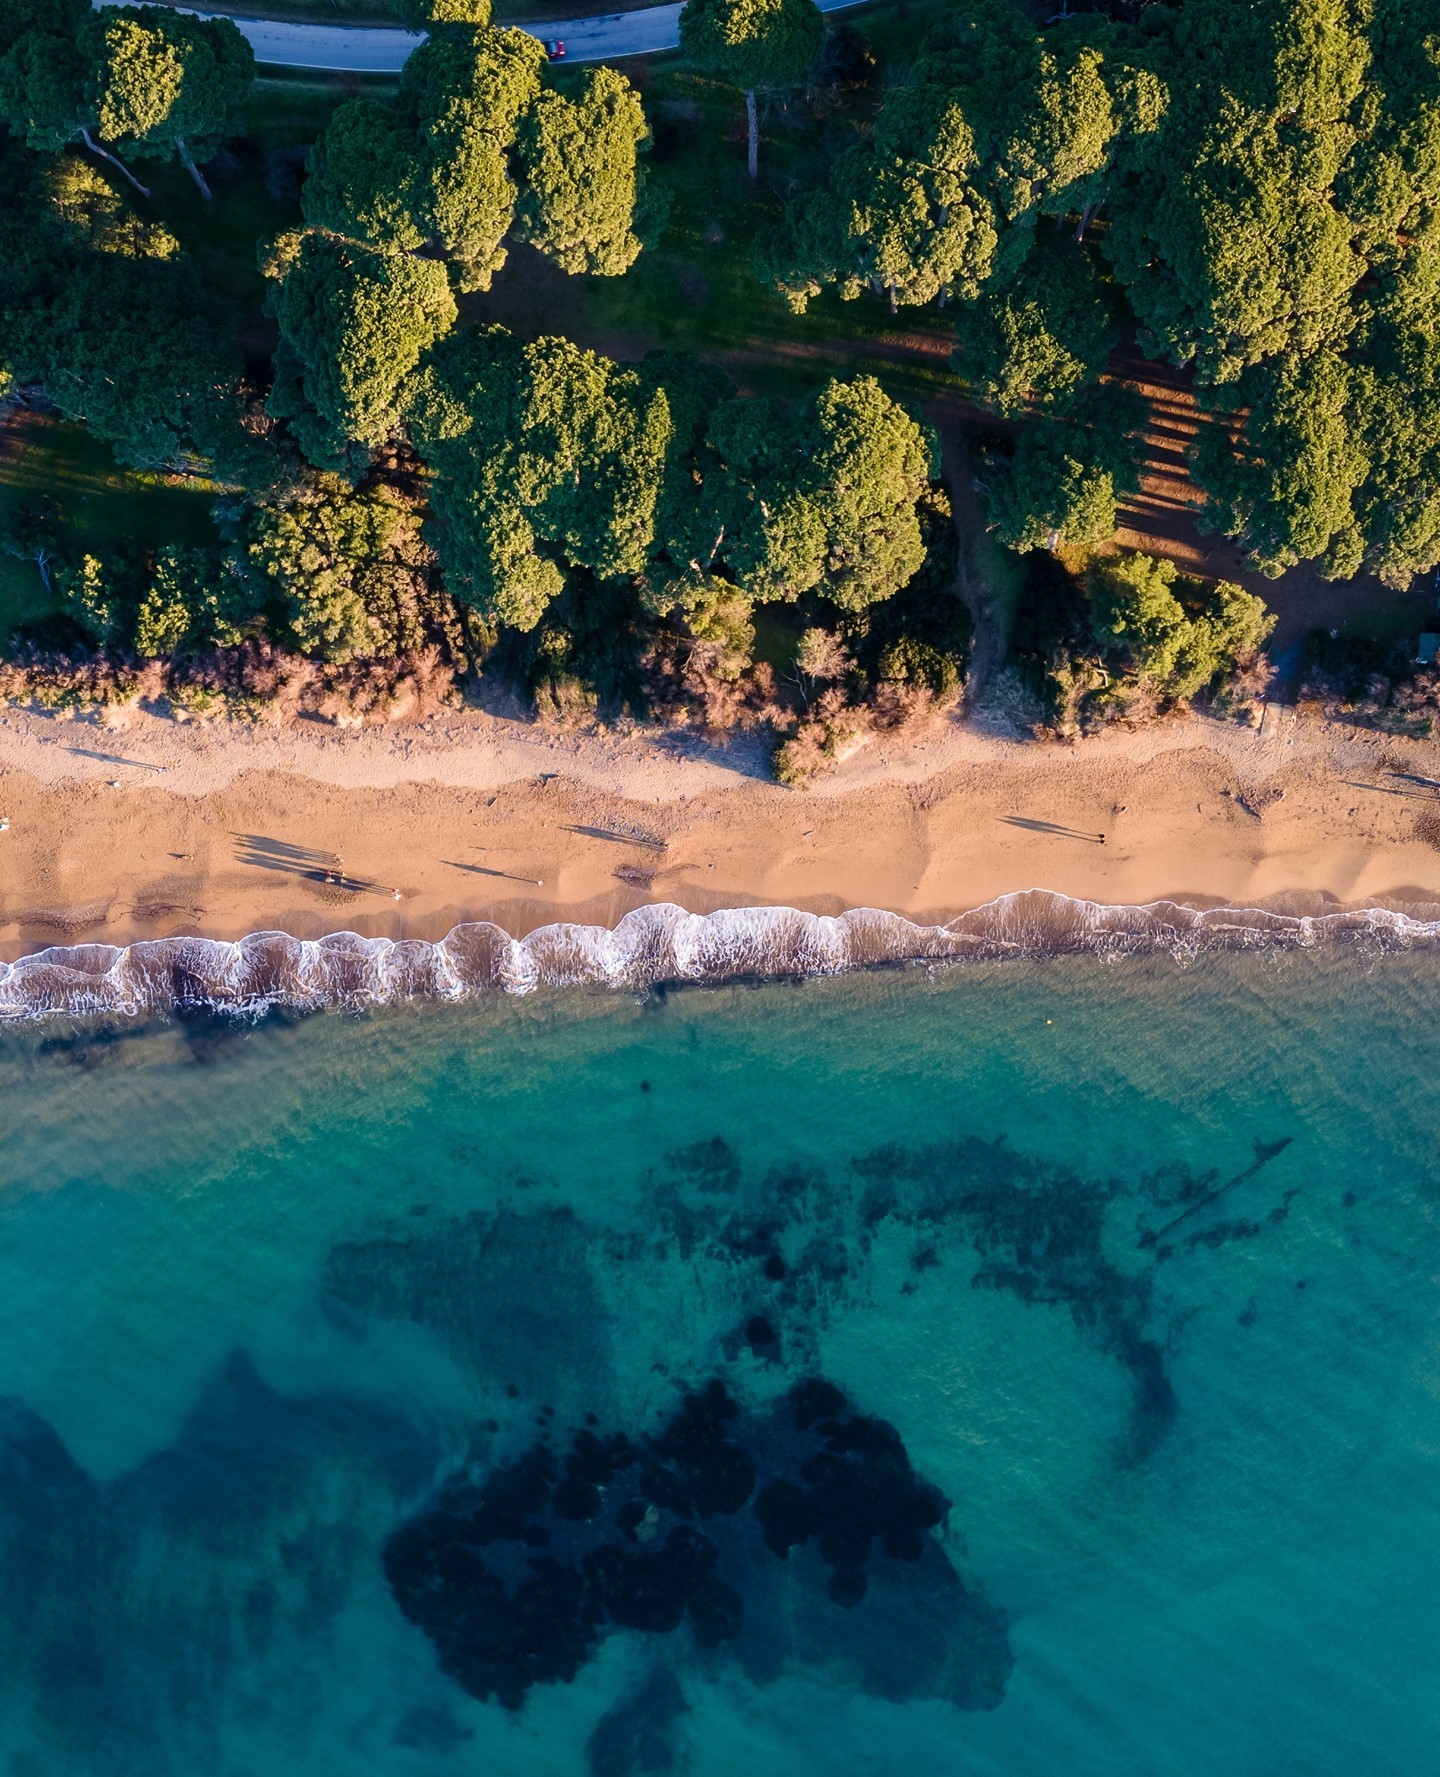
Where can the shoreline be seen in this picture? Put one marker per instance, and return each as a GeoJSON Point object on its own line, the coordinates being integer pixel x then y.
{"type": "Point", "coordinates": [145, 827]}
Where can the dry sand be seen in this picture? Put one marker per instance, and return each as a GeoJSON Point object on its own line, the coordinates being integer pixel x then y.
{"type": "Point", "coordinates": [150, 827]}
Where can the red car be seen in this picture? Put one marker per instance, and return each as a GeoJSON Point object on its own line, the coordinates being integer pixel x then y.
{"type": "Point", "coordinates": [555, 49]}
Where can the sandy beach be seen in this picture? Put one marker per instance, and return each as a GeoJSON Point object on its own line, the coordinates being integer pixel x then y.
{"type": "Point", "coordinates": [145, 827]}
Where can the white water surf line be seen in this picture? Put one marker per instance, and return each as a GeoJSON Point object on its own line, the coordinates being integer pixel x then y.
{"type": "Point", "coordinates": [656, 944]}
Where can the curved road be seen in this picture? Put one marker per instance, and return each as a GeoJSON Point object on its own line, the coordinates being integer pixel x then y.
{"type": "Point", "coordinates": [382, 49]}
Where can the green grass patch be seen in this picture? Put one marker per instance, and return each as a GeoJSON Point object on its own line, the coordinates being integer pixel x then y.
{"type": "Point", "coordinates": [23, 598]}
{"type": "Point", "coordinates": [96, 504]}
{"type": "Point", "coordinates": [697, 288]}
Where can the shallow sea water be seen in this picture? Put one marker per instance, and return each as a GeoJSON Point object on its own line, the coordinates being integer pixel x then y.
{"type": "Point", "coordinates": [266, 1290]}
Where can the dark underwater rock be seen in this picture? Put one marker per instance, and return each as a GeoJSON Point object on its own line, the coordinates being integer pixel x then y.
{"type": "Point", "coordinates": [518, 1576]}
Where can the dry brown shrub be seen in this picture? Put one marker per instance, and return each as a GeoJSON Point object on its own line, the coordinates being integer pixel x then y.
{"type": "Point", "coordinates": [829, 729]}
{"type": "Point", "coordinates": [897, 706]}
{"type": "Point", "coordinates": [58, 681]}
{"type": "Point", "coordinates": [255, 682]}
{"type": "Point", "coordinates": [687, 688]}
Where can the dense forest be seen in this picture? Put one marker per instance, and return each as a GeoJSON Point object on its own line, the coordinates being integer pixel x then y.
{"type": "Point", "coordinates": [735, 510]}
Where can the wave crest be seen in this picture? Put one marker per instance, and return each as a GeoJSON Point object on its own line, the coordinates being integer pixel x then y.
{"type": "Point", "coordinates": [652, 945]}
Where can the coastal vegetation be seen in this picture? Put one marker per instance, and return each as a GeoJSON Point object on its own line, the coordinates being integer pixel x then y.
{"type": "Point", "coordinates": [514, 380]}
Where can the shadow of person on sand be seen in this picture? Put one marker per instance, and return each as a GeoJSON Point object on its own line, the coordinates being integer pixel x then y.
{"type": "Point", "coordinates": [1053, 828]}
{"type": "Point", "coordinates": [324, 868]}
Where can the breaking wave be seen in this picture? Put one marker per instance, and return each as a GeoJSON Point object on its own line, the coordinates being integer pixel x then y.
{"type": "Point", "coordinates": [651, 946]}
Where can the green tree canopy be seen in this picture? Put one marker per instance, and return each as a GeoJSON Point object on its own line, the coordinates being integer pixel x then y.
{"type": "Point", "coordinates": [466, 94]}
{"type": "Point", "coordinates": [1135, 612]}
{"type": "Point", "coordinates": [1232, 244]}
{"type": "Point", "coordinates": [1039, 339]}
{"type": "Point", "coordinates": [825, 499]}
{"type": "Point", "coordinates": [546, 458]}
{"type": "Point", "coordinates": [995, 124]}
{"type": "Point", "coordinates": [900, 216]}
{"type": "Point", "coordinates": [1287, 488]}
{"type": "Point", "coordinates": [757, 45]}
{"type": "Point", "coordinates": [354, 324]}
{"type": "Point", "coordinates": [583, 187]}
{"type": "Point", "coordinates": [107, 314]}
{"type": "Point", "coordinates": [473, 135]}
{"type": "Point", "coordinates": [544, 455]}
{"type": "Point", "coordinates": [440, 15]}
{"type": "Point", "coordinates": [143, 80]}
{"type": "Point", "coordinates": [1267, 177]}
{"type": "Point", "coordinates": [1064, 483]}
{"type": "Point", "coordinates": [196, 597]}
{"type": "Point", "coordinates": [365, 180]}
{"type": "Point", "coordinates": [164, 83]}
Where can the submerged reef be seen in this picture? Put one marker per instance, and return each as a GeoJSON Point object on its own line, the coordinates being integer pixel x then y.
{"type": "Point", "coordinates": [765, 1536]}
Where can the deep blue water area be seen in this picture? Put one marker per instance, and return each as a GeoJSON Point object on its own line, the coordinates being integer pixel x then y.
{"type": "Point", "coordinates": [1013, 1368]}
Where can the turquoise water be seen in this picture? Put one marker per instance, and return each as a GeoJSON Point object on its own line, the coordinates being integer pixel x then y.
{"type": "Point", "coordinates": [265, 1291]}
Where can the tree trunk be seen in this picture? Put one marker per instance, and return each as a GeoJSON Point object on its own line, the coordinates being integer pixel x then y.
{"type": "Point", "coordinates": [894, 305]}
{"type": "Point", "coordinates": [193, 170]}
{"type": "Point", "coordinates": [1087, 216]}
{"type": "Point", "coordinates": [115, 162]}
{"type": "Point", "coordinates": [752, 117]}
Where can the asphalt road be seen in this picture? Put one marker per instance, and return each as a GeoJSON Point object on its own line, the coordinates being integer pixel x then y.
{"type": "Point", "coordinates": [382, 49]}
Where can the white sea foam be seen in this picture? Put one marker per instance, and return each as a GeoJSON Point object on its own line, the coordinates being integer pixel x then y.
{"type": "Point", "coordinates": [652, 945]}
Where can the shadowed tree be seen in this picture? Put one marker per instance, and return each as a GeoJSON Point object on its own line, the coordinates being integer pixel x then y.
{"type": "Point", "coordinates": [45, 94]}
{"type": "Point", "coordinates": [148, 82]}
{"type": "Point", "coordinates": [163, 83]}
{"type": "Point", "coordinates": [757, 45]}
{"type": "Point", "coordinates": [106, 313]}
